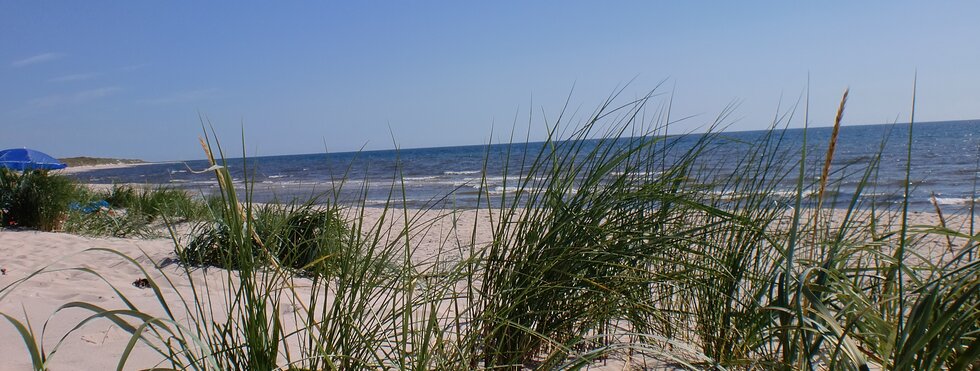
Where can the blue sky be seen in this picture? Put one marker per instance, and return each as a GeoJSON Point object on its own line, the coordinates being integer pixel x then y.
{"type": "Point", "coordinates": [129, 78]}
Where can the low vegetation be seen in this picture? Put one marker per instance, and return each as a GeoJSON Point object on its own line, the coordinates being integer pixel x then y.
{"type": "Point", "coordinates": [126, 211]}
{"type": "Point", "coordinates": [621, 249]}
{"type": "Point", "coordinates": [48, 201]}
{"type": "Point", "coordinates": [34, 199]}
{"type": "Point", "coordinates": [161, 202]}
{"type": "Point", "coordinates": [304, 237]}
{"type": "Point", "coordinates": [90, 161]}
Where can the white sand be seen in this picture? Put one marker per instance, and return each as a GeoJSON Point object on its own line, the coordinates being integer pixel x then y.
{"type": "Point", "coordinates": [93, 347]}
{"type": "Point", "coordinates": [99, 344]}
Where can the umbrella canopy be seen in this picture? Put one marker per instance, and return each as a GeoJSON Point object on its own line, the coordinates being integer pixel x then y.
{"type": "Point", "coordinates": [28, 159]}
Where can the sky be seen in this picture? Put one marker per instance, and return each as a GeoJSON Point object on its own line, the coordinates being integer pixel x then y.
{"type": "Point", "coordinates": [133, 79]}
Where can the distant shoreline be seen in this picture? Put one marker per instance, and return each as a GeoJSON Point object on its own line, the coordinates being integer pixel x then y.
{"type": "Point", "coordinates": [90, 161]}
{"type": "Point", "coordinates": [84, 163]}
{"type": "Point", "coordinates": [83, 168]}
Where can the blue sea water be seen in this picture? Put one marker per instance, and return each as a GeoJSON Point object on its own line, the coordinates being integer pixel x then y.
{"type": "Point", "coordinates": [944, 165]}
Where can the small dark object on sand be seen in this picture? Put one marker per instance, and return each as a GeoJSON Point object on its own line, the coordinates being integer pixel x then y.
{"type": "Point", "coordinates": [3, 271]}
{"type": "Point", "coordinates": [142, 283]}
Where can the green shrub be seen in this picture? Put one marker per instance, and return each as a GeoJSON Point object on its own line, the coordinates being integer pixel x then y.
{"type": "Point", "coordinates": [113, 223]}
{"type": "Point", "coordinates": [121, 196]}
{"type": "Point", "coordinates": [308, 237]}
{"type": "Point", "coordinates": [35, 199]}
{"type": "Point", "coordinates": [301, 237]}
{"type": "Point", "coordinates": [153, 203]}
{"type": "Point", "coordinates": [131, 211]}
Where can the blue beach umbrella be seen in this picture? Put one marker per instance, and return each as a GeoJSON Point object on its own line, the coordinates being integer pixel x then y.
{"type": "Point", "coordinates": [28, 159]}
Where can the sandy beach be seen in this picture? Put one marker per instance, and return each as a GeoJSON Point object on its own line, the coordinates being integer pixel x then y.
{"type": "Point", "coordinates": [66, 260]}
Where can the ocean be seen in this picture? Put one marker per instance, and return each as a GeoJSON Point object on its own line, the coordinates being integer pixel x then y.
{"type": "Point", "coordinates": [944, 166]}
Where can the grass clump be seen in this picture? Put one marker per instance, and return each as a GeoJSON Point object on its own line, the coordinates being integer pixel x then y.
{"type": "Point", "coordinates": [159, 202]}
{"type": "Point", "coordinates": [302, 237]}
{"type": "Point", "coordinates": [35, 199]}
{"type": "Point", "coordinates": [127, 211]}
{"type": "Point", "coordinates": [111, 223]}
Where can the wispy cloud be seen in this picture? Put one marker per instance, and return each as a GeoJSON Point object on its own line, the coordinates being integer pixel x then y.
{"type": "Point", "coordinates": [134, 67]}
{"type": "Point", "coordinates": [40, 58]}
{"type": "Point", "coordinates": [95, 93]}
{"type": "Point", "coordinates": [184, 96]}
{"type": "Point", "coordinates": [74, 98]}
{"type": "Point", "coordinates": [74, 77]}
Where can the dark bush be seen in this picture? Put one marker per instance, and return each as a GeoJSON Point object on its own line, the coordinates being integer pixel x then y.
{"type": "Point", "coordinates": [158, 202]}
{"type": "Point", "coordinates": [35, 199]}
{"type": "Point", "coordinates": [303, 238]}
{"type": "Point", "coordinates": [112, 223]}
{"type": "Point", "coordinates": [121, 196]}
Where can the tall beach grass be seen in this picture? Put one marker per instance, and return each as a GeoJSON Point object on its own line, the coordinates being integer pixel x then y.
{"type": "Point", "coordinates": [625, 250]}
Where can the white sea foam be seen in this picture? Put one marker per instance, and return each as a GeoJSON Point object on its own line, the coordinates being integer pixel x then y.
{"type": "Point", "coordinates": [877, 194]}
{"type": "Point", "coordinates": [419, 178]}
{"type": "Point", "coordinates": [302, 182]}
{"type": "Point", "coordinates": [793, 193]}
{"type": "Point", "coordinates": [730, 195]}
{"type": "Point", "coordinates": [643, 174]}
{"type": "Point", "coordinates": [492, 181]}
{"type": "Point", "coordinates": [954, 200]}
{"type": "Point", "coordinates": [461, 172]}
{"type": "Point", "coordinates": [501, 190]}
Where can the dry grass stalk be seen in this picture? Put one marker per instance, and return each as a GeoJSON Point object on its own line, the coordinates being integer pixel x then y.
{"type": "Point", "coordinates": [833, 145]}
{"type": "Point", "coordinates": [942, 222]}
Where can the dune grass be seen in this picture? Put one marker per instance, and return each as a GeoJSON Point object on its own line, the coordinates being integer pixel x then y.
{"type": "Point", "coordinates": [127, 211]}
{"type": "Point", "coordinates": [34, 199]}
{"type": "Point", "coordinates": [48, 201]}
{"type": "Point", "coordinates": [297, 236]}
{"type": "Point", "coordinates": [158, 202]}
{"type": "Point", "coordinates": [624, 248]}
